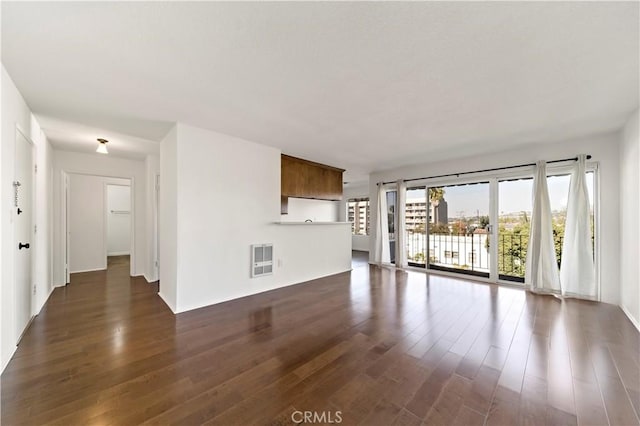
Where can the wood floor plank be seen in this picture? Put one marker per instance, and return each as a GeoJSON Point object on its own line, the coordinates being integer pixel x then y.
{"type": "Point", "coordinates": [379, 346]}
{"type": "Point", "coordinates": [589, 405]}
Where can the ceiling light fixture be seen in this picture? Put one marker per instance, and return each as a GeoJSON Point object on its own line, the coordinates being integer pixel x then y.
{"type": "Point", "coordinates": [102, 146]}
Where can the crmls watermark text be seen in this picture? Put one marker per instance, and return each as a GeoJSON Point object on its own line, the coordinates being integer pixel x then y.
{"type": "Point", "coordinates": [317, 417]}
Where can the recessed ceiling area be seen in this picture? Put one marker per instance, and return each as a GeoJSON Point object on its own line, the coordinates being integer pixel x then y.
{"type": "Point", "coordinates": [71, 136]}
{"type": "Point", "coordinates": [362, 86]}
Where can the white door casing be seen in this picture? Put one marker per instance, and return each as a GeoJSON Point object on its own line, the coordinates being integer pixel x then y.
{"type": "Point", "coordinates": [23, 230]}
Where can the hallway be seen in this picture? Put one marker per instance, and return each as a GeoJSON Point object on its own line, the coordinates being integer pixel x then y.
{"type": "Point", "coordinates": [379, 346]}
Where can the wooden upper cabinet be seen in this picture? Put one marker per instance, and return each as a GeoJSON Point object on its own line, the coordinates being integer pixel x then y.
{"type": "Point", "coordinates": [306, 179]}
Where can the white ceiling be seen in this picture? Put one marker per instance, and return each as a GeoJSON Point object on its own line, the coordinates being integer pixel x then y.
{"type": "Point", "coordinates": [72, 136]}
{"type": "Point", "coordinates": [364, 86]}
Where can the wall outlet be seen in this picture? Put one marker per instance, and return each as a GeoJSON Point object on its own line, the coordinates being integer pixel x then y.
{"type": "Point", "coordinates": [279, 263]}
{"type": "Point", "coordinates": [34, 289]}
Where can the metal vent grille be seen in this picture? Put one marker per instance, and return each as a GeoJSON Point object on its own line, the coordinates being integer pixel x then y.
{"type": "Point", "coordinates": [261, 260]}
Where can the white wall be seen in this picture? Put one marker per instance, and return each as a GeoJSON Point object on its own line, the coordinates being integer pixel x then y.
{"type": "Point", "coordinates": [229, 198]}
{"type": "Point", "coordinates": [16, 114]}
{"type": "Point", "coordinates": [228, 190]}
{"type": "Point", "coordinates": [630, 219]}
{"type": "Point", "coordinates": [307, 252]}
{"type": "Point", "coordinates": [358, 242]}
{"type": "Point", "coordinates": [99, 165]}
{"type": "Point", "coordinates": [301, 209]}
{"type": "Point", "coordinates": [152, 164]}
{"type": "Point", "coordinates": [169, 219]}
{"type": "Point", "coordinates": [86, 224]}
{"type": "Point", "coordinates": [603, 148]}
{"type": "Point", "coordinates": [118, 219]}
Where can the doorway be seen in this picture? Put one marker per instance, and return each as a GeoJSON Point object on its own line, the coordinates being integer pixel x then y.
{"type": "Point", "coordinates": [118, 213]}
{"type": "Point", "coordinates": [99, 222]}
{"type": "Point", "coordinates": [23, 230]}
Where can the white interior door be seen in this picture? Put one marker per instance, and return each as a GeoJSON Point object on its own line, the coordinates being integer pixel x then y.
{"type": "Point", "coordinates": [23, 230]}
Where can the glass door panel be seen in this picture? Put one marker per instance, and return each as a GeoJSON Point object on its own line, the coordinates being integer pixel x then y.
{"type": "Point", "coordinates": [392, 205]}
{"type": "Point", "coordinates": [416, 226]}
{"type": "Point", "coordinates": [458, 228]}
{"type": "Point", "coordinates": [514, 212]}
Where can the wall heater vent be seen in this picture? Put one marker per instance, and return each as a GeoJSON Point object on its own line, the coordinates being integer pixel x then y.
{"type": "Point", "coordinates": [261, 260]}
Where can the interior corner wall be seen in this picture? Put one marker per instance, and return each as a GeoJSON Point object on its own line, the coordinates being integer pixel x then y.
{"type": "Point", "coordinates": [229, 190]}
{"type": "Point", "coordinates": [630, 219]}
{"type": "Point", "coordinates": [17, 115]}
{"type": "Point", "coordinates": [152, 164]}
{"type": "Point", "coordinates": [358, 242]}
{"type": "Point", "coordinates": [604, 149]}
{"type": "Point", "coordinates": [169, 219]}
{"type": "Point", "coordinates": [106, 166]}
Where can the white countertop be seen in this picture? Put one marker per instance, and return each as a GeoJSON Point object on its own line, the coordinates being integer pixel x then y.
{"type": "Point", "coordinates": [312, 223]}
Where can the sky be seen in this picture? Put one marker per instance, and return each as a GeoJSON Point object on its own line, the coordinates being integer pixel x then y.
{"type": "Point", "coordinates": [513, 196]}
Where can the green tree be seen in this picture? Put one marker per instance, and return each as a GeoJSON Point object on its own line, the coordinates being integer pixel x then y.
{"type": "Point", "coordinates": [484, 221]}
{"type": "Point", "coordinates": [436, 194]}
{"type": "Point", "coordinates": [438, 228]}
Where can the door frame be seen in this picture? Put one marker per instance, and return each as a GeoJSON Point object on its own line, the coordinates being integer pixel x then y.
{"type": "Point", "coordinates": [492, 275]}
{"type": "Point", "coordinates": [156, 219]}
{"type": "Point", "coordinates": [33, 217]}
{"type": "Point", "coordinates": [65, 219]}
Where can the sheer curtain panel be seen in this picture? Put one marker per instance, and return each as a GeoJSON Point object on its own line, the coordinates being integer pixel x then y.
{"type": "Point", "coordinates": [577, 272]}
{"type": "Point", "coordinates": [541, 274]}
{"type": "Point", "coordinates": [381, 254]}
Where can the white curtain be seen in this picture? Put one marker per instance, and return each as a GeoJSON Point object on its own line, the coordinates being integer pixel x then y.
{"type": "Point", "coordinates": [381, 254]}
{"type": "Point", "coordinates": [541, 265]}
{"type": "Point", "coordinates": [577, 273]}
{"type": "Point", "coordinates": [401, 236]}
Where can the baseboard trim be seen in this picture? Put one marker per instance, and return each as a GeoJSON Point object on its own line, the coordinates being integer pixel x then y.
{"type": "Point", "coordinates": [46, 300]}
{"type": "Point", "coordinates": [149, 280]}
{"type": "Point", "coordinates": [166, 303]}
{"type": "Point", "coordinates": [88, 270]}
{"type": "Point", "coordinates": [631, 318]}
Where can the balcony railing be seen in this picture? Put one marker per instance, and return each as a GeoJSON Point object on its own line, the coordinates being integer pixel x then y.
{"type": "Point", "coordinates": [470, 252]}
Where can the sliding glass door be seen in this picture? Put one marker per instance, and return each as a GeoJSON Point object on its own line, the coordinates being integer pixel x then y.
{"type": "Point", "coordinates": [416, 212]}
{"type": "Point", "coordinates": [515, 207]}
{"type": "Point", "coordinates": [447, 228]}
{"type": "Point", "coordinates": [450, 227]}
{"type": "Point", "coordinates": [459, 227]}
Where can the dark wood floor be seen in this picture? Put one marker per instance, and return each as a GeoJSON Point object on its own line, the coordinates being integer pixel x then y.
{"type": "Point", "coordinates": [381, 347]}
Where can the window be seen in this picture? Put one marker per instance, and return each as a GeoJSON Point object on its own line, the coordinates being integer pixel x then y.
{"type": "Point", "coordinates": [358, 215]}
{"type": "Point", "coordinates": [515, 208]}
